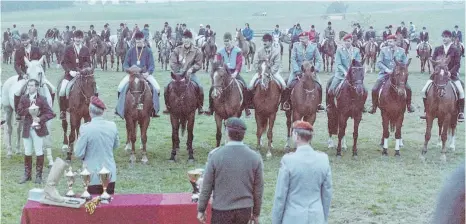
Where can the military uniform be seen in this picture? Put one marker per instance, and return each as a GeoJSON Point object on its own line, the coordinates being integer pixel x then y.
{"type": "Point", "coordinates": [343, 60]}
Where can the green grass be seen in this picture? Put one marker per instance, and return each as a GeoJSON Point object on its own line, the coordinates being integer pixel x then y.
{"type": "Point", "coordinates": [369, 190]}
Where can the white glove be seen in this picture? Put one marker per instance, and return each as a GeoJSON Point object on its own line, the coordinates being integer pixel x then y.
{"type": "Point", "coordinates": [73, 73]}
{"type": "Point", "coordinates": [389, 71]}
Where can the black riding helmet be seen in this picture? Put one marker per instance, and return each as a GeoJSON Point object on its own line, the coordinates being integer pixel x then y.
{"type": "Point", "coordinates": [24, 37]}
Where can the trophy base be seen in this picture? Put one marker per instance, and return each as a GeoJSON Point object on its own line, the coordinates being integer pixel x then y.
{"type": "Point", "coordinates": [105, 197]}
{"type": "Point", "coordinates": [68, 202]}
{"type": "Point", "coordinates": [86, 196]}
{"type": "Point", "coordinates": [70, 194]}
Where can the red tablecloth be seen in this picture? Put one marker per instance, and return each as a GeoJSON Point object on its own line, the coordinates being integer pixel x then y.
{"type": "Point", "coordinates": [172, 208]}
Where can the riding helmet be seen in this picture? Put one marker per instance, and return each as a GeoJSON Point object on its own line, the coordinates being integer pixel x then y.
{"type": "Point", "coordinates": [78, 34]}
{"type": "Point", "coordinates": [208, 26]}
{"type": "Point", "coordinates": [92, 26]}
{"type": "Point", "coordinates": [456, 26]}
{"type": "Point", "coordinates": [329, 23]}
{"type": "Point", "coordinates": [227, 36]}
{"type": "Point", "coordinates": [267, 37]}
{"type": "Point", "coordinates": [24, 36]}
{"type": "Point", "coordinates": [67, 27]}
{"type": "Point", "coordinates": [121, 24]}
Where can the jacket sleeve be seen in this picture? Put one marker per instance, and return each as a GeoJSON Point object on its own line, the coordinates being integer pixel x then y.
{"type": "Point", "coordinates": [294, 63]}
{"type": "Point", "coordinates": [326, 191]}
{"type": "Point", "coordinates": [87, 57]}
{"type": "Point", "coordinates": [81, 143]}
{"type": "Point", "coordinates": [339, 63]}
{"type": "Point", "coordinates": [239, 62]}
{"type": "Point", "coordinates": [281, 192]}
{"type": "Point", "coordinates": [174, 60]}
{"type": "Point", "coordinates": [46, 113]}
{"type": "Point", "coordinates": [276, 63]}
{"type": "Point", "coordinates": [456, 59]}
{"type": "Point", "coordinates": [127, 63]}
{"type": "Point", "coordinates": [23, 106]}
{"type": "Point", "coordinates": [116, 143]}
{"type": "Point", "coordinates": [358, 56]}
{"type": "Point", "coordinates": [318, 57]}
{"type": "Point", "coordinates": [197, 61]}
{"type": "Point", "coordinates": [207, 186]}
{"type": "Point", "coordinates": [380, 64]}
{"type": "Point", "coordinates": [66, 63]}
{"type": "Point", "coordinates": [257, 59]}
{"type": "Point", "coordinates": [258, 188]}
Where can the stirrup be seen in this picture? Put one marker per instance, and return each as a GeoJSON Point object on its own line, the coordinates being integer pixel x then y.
{"type": "Point", "coordinates": [286, 106]}
{"type": "Point", "coordinates": [460, 119]}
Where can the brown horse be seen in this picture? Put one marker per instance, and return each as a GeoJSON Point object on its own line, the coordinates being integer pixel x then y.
{"type": "Point", "coordinates": [8, 49]}
{"type": "Point", "coordinates": [79, 98]}
{"type": "Point", "coordinates": [424, 55]}
{"type": "Point", "coordinates": [328, 51]}
{"type": "Point", "coordinates": [44, 48]}
{"type": "Point", "coordinates": [370, 56]}
{"type": "Point", "coordinates": [57, 48]}
{"type": "Point", "coordinates": [349, 103]}
{"type": "Point", "coordinates": [209, 50]}
{"type": "Point", "coordinates": [266, 99]}
{"type": "Point", "coordinates": [101, 52]}
{"type": "Point", "coordinates": [138, 107]}
{"type": "Point", "coordinates": [120, 53]}
{"type": "Point", "coordinates": [392, 104]}
{"type": "Point", "coordinates": [165, 49]}
{"type": "Point", "coordinates": [402, 43]}
{"type": "Point", "coordinates": [247, 48]}
{"type": "Point", "coordinates": [457, 44]}
{"type": "Point", "coordinates": [441, 104]}
{"type": "Point", "coordinates": [304, 100]}
{"type": "Point", "coordinates": [183, 101]}
{"type": "Point", "coordinates": [227, 96]}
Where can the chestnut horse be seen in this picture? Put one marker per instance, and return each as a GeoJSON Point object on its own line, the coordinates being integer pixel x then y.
{"type": "Point", "coordinates": [247, 48]}
{"type": "Point", "coordinates": [266, 99]}
{"type": "Point", "coordinates": [209, 51]}
{"type": "Point", "coordinates": [441, 104]}
{"type": "Point", "coordinates": [227, 95]}
{"type": "Point", "coordinates": [183, 101]}
{"type": "Point", "coordinates": [138, 107]}
{"type": "Point", "coordinates": [424, 55]}
{"type": "Point", "coordinates": [392, 104]}
{"type": "Point", "coordinates": [79, 99]}
{"type": "Point", "coordinates": [350, 101]}
{"type": "Point", "coordinates": [328, 51]}
{"type": "Point", "coordinates": [304, 99]}
{"type": "Point", "coordinates": [370, 56]}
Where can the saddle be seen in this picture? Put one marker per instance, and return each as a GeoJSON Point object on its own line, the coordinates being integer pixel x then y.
{"type": "Point", "coordinates": [455, 89]}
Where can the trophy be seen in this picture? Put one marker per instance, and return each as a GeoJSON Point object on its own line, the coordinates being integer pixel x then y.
{"type": "Point", "coordinates": [34, 112]}
{"type": "Point", "coordinates": [86, 176]}
{"type": "Point", "coordinates": [70, 181]}
{"type": "Point", "coordinates": [196, 182]}
{"type": "Point", "coordinates": [105, 177]}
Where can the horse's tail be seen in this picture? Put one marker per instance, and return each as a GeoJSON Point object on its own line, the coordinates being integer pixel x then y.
{"type": "Point", "coordinates": [183, 123]}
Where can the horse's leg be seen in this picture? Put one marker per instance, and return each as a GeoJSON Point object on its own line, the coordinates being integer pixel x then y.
{"type": "Point", "coordinates": [428, 134]}
{"type": "Point", "coordinates": [270, 133]}
{"type": "Point", "coordinates": [440, 128]}
{"type": "Point", "coordinates": [132, 137]}
{"type": "Point", "coordinates": [288, 130]}
{"type": "Point", "coordinates": [118, 63]}
{"type": "Point", "coordinates": [218, 122]}
{"type": "Point", "coordinates": [175, 137]}
{"type": "Point", "coordinates": [446, 126]}
{"type": "Point", "coordinates": [72, 136]}
{"type": "Point", "coordinates": [342, 122]}
{"type": "Point", "coordinates": [189, 143]}
{"type": "Point", "coordinates": [143, 125]}
{"type": "Point", "coordinates": [261, 124]}
{"type": "Point", "coordinates": [18, 136]}
{"type": "Point", "coordinates": [398, 125]}
{"type": "Point", "coordinates": [8, 133]}
{"type": "Point", "coordinates": [357, 120]}
{"type": "Point", "coordinates": [428, 65]}
{"type": "Point", "coordinates": [333, 61]}
{"type": "Point", "coordinates": [452, 146]}
{"type": "Point", "coordinates": [128, 134]}
{"type": "Point", "coordinates": [385, 133]}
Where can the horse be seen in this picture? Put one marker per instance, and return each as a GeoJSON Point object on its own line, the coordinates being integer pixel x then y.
{"type": "Point", "coordinates": [441, 104]}
{"type": "Point", "coordinates": [209, 51]}
{"type": "Point", "coordinates": [424, 55]}
{"type": "Point", "coordinates": [44, 48]}
{"type": "Point", "coordinates": [228, 96]}
{"type": "Point", "coordinates": [266, 100]}
{"type": "Point", "coordinates": [8, 52]}
{"type": "Point", "coordinates": [350, 99]}
{"type": "Point", "coordinates": [328, 51]}
{"type": "Point", "coordinates": [370, 56]}
{"type": "Point", "coordinates": [101, 52]}
{"type": "Point", "coordinates": [304, 99]}
{"type": "Point", "coordinates": [165, 50]}
{"type": "Point", "coordinates": [120, 53]}
{"type": "Point", "coordinates": [392, 104]}
{"type": "Point", "coordinates": [278, 44]}
{"type": "Point", "coordinates": [247, 49]}
{"type": "Point", "coordinates": [12, 85]}
{"type": "Point", "coordinates": [183, 101]}
{"type": "Point", "coordinates": [138, 107]}
{"type": "Point", "coordinates": [57, 48]}
{"type": "Point", "coordinates": [157, 37]}
{"type": "Point", "coordinates": [402, 43]}
{"type": "Point", "coordinates": [79, 99]}
{"type": "Point", "coordinates": [458, 44]}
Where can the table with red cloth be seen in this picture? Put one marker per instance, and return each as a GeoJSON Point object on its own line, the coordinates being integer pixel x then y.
{"type": "Point", "coordinates": [170, 208]}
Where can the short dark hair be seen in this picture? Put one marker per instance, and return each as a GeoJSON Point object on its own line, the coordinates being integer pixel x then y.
{"type": "Point", "coordinates": [36, 83]}
{"type": "Point", "coordinates": [306, 135]}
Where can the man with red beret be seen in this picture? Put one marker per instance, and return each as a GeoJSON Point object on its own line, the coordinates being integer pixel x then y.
{"type": "Point", "coordinates": [386, 64]}
{"type": "Point", "coordinates": [97, 140]}
{"type": "Point", "coordinates": [302, 51]}
{"type": "Point", "coordinates": [447, 49]}
{"type": "Point", "coordinates": [304, 176]}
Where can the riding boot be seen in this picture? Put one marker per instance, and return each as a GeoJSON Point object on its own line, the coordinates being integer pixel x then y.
{"type": "Point", "coordinates": [62, 105]}
{"type": "Point", "coordinates": [285, 104]}
{"type": "Point", "coordinates": [118, 97]}
{"type": "Point", "coordinates": [430, 53]}
{"type": "Point", "coordinates": [375, 102]}
{"type": "Point", "coordinates": [201, 101]}
{"type": "Point", "coordinates": [17, 99]}
{"type": "Point", "coordinates": [165, 97]}
{"type": "Point", "coordinates": [461, 110]}
{"type": "Point", "coordinates": [39, 166]}
{"type": "Point", "coordinates": [210, 111]}
{"type": "Point", "coordinates": [424, 100]}
{"type": "Point", "coordinates": [320, 107]}
{"type": "Point", "coordinates": [27, 169]}
{"type": "Point", "coordinates": [417, 50]}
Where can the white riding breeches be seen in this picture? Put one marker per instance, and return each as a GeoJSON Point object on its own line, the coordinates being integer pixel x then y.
{"type": "Point", "coordinates": [150, 79]}
{"type": "Point", "coordinates": [35, 142]}
{"type": "Point", "coordinates": [277, 76]}
{"type": "Point", "coordinates": [63, 85]}
{"type": "Point", "coordinates": [457, 84]}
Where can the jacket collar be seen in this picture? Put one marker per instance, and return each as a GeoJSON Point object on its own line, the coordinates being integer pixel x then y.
{"type": "Point", "coordinates": [304, 149]}
{"type": "Point", "coordinates": [234, 143]}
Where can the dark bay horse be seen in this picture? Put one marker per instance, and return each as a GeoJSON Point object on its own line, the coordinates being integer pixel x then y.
{"type": "Point", "coordinates": [101, 52]}
{"type": "Point", "coordinates": [120, 52]}
{"type": "Point", "coordinates": [328, 51]}
{"type": "Point", "coordinates": [247, 48]}
{"type": "Point", "coordinates": [8, 52]}
{"type": "Point", "coordinates": [441, 104]}
{"type": "Point", "coordinates": [209, 50]}
{"type": "Point", "coordinates": [392, 104]}
{"type": "Point", "coordinates": [165, 49]}
{"type": "Point", "coordinates": [44, 48]}
{"type": "Point", "coordinates": [183, 101]}
{"type": "Point", "coordinates": [227, 97]}
{"type": "Point", "coordinates": [304, 100]}
{"type": "Point", "coordinates": [350, 101]}
{"type": "Point", "coordinates": [266, 99]}
{"type": "Point", "coordinates": [424, 55]}
{"type": "Point", "coordinates": [370, 56]}
{"type": "Point", "coordinates": [138, 107]}
{"type": "Point", "coordinates": [80, 94]}
{"type": "Point", "coordinates": [402, 43]}
{"type": "Point", "coordinates": [57, 48]}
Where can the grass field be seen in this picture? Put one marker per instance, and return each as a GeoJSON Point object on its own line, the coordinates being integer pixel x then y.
{"type": "Point", "coordinates": [369, 190]}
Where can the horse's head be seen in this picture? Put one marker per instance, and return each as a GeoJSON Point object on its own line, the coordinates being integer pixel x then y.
{"type": "Point", "coordinates": [35, 69]}
{"type": "Point", "coordinates": [137, 85]}
{"type": "Point", "coordinates": [441, 75]}
{"type": "Point", "coordinates": [265, 73]}
{"type": "Point", "coordinates": [239, 34]}
{"type": "Point", "coordinates": [221, 78]}
{"type": "Point", "coordinates": [86, 82]}
{"type": "Point", "coordinates": [399, 77]}
{"type": "Point", "coordinates": [308, 69]}
{"type": "Point", "coordinates": [355, 77]}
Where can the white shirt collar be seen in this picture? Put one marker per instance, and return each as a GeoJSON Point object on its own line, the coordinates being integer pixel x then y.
{"type": "Point", "coordinates": [28, 48]}
{"type": "Point", "coordinates": [234, 143]}
{"type": "Point", "coordinates": [447, 47]}
{"type": "Point", "coordinates": [32, 96]}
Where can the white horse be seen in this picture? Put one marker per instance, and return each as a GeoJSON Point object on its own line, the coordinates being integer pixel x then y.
{"type": "Point", "coordinates": [12, 86]}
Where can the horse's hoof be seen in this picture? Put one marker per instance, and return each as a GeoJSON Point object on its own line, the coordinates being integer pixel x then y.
{"type": "Point", "coordinates": [338, 156]}
{"type": "Point", "coordinates": [422, 157]}
{"type": "Point", "coordinates": [8, 155]}
{"type": "Point", "coordinates": [355, 157]}
{"type": "Point", "coordinates": [144, 160]}
{"type": "Point", "coordinates": [452, 148]}
{"type": "Point", "coordinates": [287, 149]}
{"type": "Point", "coordinates": [384, 152]}
{"type": "Point", "coordinates": [443, 158]}
{"type": "Point", "coordinates": [269, 155]}
{"type": "Point", "coordinates": [191, 161]}
{"type": "Point", "coordinates": [171, 160]}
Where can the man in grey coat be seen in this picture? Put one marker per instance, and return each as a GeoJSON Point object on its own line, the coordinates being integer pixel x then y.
{"type": "Point", "coordinates": [304, 185]}
{"type": "Point", "coordinates": [234, 173]}
{"type": "Point", "coordinates": [98, 138]}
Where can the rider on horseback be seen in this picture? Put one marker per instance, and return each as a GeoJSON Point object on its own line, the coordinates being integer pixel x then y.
{"type": "Point", "coordinates": [302, 51]}
{"type": "Point", "coordinates": [403, 31]}
{"type": "Point", "coordinates": [67, 35]}
{"type": "Point", "coordinates": [272, 56]}
{"type": "Point", "coordinates": [328, 33]}
{"type": "Point", "coordinates": [106, 35]}
{"type": "Point", "coordinates": [386, 64]}
{"type": "Point", "coordinates": [357, 32]}
{"type": "Point", "coordinates": [455, 60]}
{"type": "Point", "coordinates": [313, 34]}
{"type": "Point", "coordinates": [424, 38]}
{"type": "Point", "coordinates": [31, 53]}
{"type": "Point", "coordinates": [208, 33]}
{"type": "Point", "coordinates": [370, 34]}
{"type": "Point", "coordinates": [15, 33]}
{"type": "Point", "coordinates": [232, 57]}
{"type": "Point", "coordinates": [75, 57]}
{"type": "Point", "coordinates": [142, 57]}
{"type": "Point", "coordinates": [91, 31]}
{"type": "Point", "coordinates": [186, 59]}
{"type": "Point", "coordinates": [456, 34]}
{"type": "Point", "coordinates": [33, 34]}
{"type": "Point", "coordinates": [344, 58]}
{"type": "Point", "coordinates": [248, 34]}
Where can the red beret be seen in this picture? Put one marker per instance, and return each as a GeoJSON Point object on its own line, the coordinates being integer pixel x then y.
{"type": "Point", "coordinates": [303, 34]}
{"type": "Point", "coordinates": [391, 37]}
{"type": "Point", "coordinates": [348, 36]}
{"type": "Point", "coordinates": [98, 103]}
{"type": "Point", "coordinates": [302, 125]}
